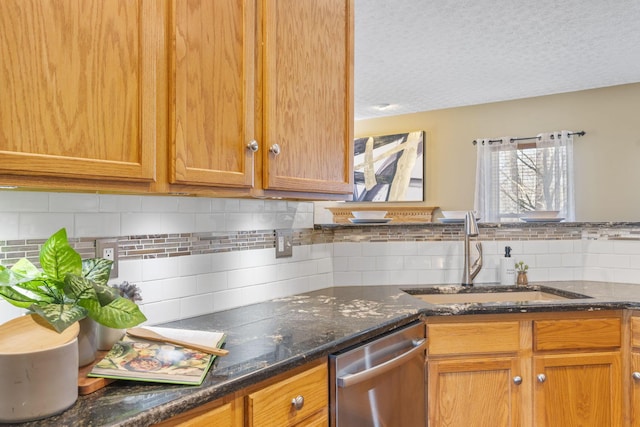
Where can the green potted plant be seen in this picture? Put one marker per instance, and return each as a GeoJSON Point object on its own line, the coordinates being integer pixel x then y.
{"type": "Point", "coordinates": [521, 269]}
{"type": "Point", "coordinates": [68, 289]}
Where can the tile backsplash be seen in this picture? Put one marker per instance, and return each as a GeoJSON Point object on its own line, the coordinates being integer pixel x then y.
{"type": "Point", "coordinates": [193, 256]}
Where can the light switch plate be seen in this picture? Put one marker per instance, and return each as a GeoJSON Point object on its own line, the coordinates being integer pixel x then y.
{"type": "Point", "coordinates": [284, 243]}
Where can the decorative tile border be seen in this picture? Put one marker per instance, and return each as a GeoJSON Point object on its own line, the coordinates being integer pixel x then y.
{"type": "Point", "coordinates": [182, 244]}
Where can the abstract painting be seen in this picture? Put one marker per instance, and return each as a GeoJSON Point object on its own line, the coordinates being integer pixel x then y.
{"type": "Point", "coordinates": [389, 168]}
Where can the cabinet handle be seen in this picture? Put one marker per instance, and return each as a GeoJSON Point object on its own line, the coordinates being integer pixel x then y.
{"type": "Point", "coordinates": [542, 378]}
{"type": "Point", "coordinates": [298, 402]}
{"type": "Point", "coordinates": [517, 380]}
{"type": "Point", "coordinates": [636, 375]}
{"type": "Point", "coordinates": [253, 145]}
{"type": "Point", "coordinates": [275, 149]}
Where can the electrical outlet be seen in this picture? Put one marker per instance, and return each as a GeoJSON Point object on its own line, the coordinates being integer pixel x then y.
{"type": "Point", "coordinates": [284, 243]}
{"type": "Point", "coordinates": [108, 249]}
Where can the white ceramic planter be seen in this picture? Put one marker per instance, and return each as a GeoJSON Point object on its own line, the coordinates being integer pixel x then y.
{"type": "Point", "coordinates": [38, 370]}
{"type": "Point", "coordinates": [107, 337]}
{"type": "Point", "coordinates": [87, 341]}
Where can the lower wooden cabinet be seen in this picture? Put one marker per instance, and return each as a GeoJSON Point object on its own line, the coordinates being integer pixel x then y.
{"type": "Point", "coordinates": [526, 370]}
{"type": "Point", "coordinates": [296, 398]}
{"type": "Point", "coordinates": [578, 390]}
{"type": "Point", "coordinates": [475, 392]}
{"type": "Point", "coordinates": [225, 412]}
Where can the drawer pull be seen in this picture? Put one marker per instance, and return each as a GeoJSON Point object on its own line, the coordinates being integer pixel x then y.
{"type": "Point", "coordinates": [542, 378]}
{"type": "Point", "coordinates": [636, 375]}
{"type": "Point", "coordinates": [298, 402]}
{"type": "Point", "coordinates": [517, 380]}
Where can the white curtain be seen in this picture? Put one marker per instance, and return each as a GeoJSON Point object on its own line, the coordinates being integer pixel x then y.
{"type": "Point", "coordinates": [488, 171]}
{"type": "Point", "coordinates": [555, 185]}
{"type": "Point", "coordinates": [511, 180]}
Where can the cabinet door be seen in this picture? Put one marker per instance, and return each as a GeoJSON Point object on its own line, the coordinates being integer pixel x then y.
{"type": "Point", "coordinates": [578, 390]}
{"type": "Point", "coordinates": [213, 119]}
{"type": "Point", "coordinates": [78, 88]}
{"type": "Point", "coordinates": [226, 412]}
{"type": "Point", "coordinates": [635, 390]}
{"type": "Point", "coordinates": [475, 392]}
{"type": "Point", "coordinates": [308, 95]}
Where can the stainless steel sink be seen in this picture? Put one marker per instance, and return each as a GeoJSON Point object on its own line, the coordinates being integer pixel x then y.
{"type": "Point", "coordinates": [493, 294]}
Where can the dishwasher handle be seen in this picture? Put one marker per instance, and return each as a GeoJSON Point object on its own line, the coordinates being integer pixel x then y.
{"type": "Point", "coordinates": [352, 379]}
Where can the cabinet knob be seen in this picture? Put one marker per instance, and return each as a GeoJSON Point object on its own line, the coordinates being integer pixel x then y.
{"type": "Point", "coordinates": [541, 378]}
{"type": "Point", "coordinates": [517, 380]}
{"type": "Point", "coordinates": [275, 149]}
{"type": "Point", "coordinates": [298, 402]}
{"type": "Point", "coordinates": [636, 375]}
{"type": "Point", "coordinates": [253, 145]}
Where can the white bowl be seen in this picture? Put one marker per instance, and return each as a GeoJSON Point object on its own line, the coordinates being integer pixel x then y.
{"type": "Point", "coordinates": [369, 214]}
{"type": "Point", "coordinates": [454, 214]}
{"type": "Point", "coordinates": [540, 214]}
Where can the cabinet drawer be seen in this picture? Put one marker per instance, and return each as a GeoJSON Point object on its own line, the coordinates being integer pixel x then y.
{"type": "Point", "coordinates": [272, 405]}
{"type": "Point", "coordinates": [576, 334]}
{"type": "Point", "coordinates": [476, 337]}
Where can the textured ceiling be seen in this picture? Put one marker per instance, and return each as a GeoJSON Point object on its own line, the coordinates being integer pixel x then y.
{"type": "Point", "coordinates": [421, 55]}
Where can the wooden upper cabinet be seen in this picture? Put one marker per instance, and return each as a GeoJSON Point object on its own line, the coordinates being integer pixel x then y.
{"type": "Point", "coordinates": [213, 106]}
{"type": "Point", "coordinates": [308, 95]}
{"type": "Point", "coordinates": [78, 89]}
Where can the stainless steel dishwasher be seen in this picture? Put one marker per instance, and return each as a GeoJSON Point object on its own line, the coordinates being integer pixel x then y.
{"type": "Point", "coordinates": [381, 383]}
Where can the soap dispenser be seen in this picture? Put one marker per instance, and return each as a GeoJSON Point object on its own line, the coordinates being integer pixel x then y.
{"type": "Point", "coordinates": [507, 268]}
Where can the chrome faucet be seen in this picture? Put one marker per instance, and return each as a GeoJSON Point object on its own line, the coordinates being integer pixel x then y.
{"type": "Point", "coordinates": [470, 230]}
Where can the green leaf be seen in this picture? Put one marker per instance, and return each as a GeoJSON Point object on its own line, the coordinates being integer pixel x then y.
{"type": "Point", "coordinates": [120, 313]}
{"type": "Point", "coordinates": [106, 294]}
{"type": "Point", "coordinates": [77, 288]}
{"type": "Point", "coordinates": [58, 258]}
{"type": "Point", "coordinates": [97, 270]}
{"type": "Point", "coordinates": [15, 297]}
{"type": "Point", "coordinates": [60, 316]}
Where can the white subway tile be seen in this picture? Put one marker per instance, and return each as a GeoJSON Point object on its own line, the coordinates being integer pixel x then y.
{"type": "Point", "coordinates": [347, 278]}
{"type": "Point", "coordinates": [161, 312]}
{"type": "Point", "coordinates": [251, 276]}
{"type": "Point", "coordinates": [265, 221]}
{"type": "Point", "coordinates": [119, 203]}
{"type": "Point", "coordinates": [212, 282]}
{"type": "Point", "coordinates": [191, 265]}
{"type": "Point", "coordinates": [43, 225]}
{"type": "Point", "coordinates": [210, 222]}
{"type": "Point", "coordinates": [239, 221]}
{"type": "Point", "coordinates": [23, 201]}
{"type": "Point", "coordinates": [194, 205]}
{"type": "Point", "coordinates": [10, 226]}
{"type": "Point", "coordinates": [196, 305]}
{"type": "Point", "coordinates": [535, 247]}
{"type": "Point", "coordinates": [159, 268]}
{"type": "Point", "coordinates": [389, 263]}
{"type": "Point", "coordinates": [362, 263]}
{"type": "Point", "coordinates": [225, 261]}
{"type": "Point", "coordinates": [97, 225]}
{"type": "Point", "coordinates": [136, 224]}
{"type": "Point", "coordinates": [347, 249]}
{"type": "Point", "coordinates": [320, 281]}
{"type": "Point", "coordinates": [417, 262]}
{"type": "Point", "coordinates": [172, 223]}
{"type": "Point", "coordinates": [73, 202]}
{"type": "Point", "coordinates": [613, 261]}
{"type": "Point", "coordinates": [129, 270]}
{"type": "Point", "coordinates": [160, 204]}
{"type": "Point", "coordinates": [225, 300]}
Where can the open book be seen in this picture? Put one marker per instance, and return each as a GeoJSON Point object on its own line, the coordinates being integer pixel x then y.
{"type": "Point", "coordinates": [142, 360]}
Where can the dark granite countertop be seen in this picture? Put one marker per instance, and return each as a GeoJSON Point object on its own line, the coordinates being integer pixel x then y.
{"type": "Point", "coordinates": [268, 338]}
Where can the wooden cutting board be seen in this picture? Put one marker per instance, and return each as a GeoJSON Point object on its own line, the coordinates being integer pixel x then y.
{"type": "Point", "coordinates": [87, 384]}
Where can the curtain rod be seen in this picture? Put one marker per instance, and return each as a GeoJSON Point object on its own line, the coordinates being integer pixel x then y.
{"type": "Point", "coordinates": [475, 141]}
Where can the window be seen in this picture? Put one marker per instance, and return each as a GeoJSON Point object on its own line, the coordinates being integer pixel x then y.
{"type": "Point", "coordinates": [513, 178]}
